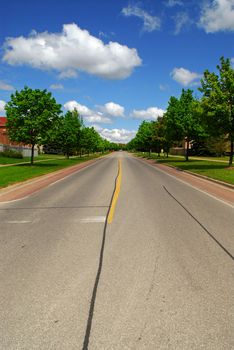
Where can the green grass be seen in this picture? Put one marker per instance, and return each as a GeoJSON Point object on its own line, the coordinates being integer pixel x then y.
{"type": "Point", "coordinates": [21, 172]}
{"type": "Point", "coordinates": [213, 169]}
{"type": "Point", "coordinates": [6, 160]}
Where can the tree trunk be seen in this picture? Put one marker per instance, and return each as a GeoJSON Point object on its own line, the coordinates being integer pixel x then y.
{"type": "Point", "coordinates": [187, 150]}
{"type": "Point", "coordinates": [231, 153]}
{"type": "Point", "coordinates": [32, 154]}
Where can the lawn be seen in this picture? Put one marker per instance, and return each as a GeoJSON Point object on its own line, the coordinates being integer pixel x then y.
{"type": "Point", "coordinates": [210, 168]}
{"type": "Point", "coordinates": [21, 172]}
{"type": "Point", "coordinates": [6, 160]}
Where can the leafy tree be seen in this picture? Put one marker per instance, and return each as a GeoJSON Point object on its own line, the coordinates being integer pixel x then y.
{"type": "Point", "coordinates": [30, 116]}
{"type": "Point", "coordinates": [67, 135]}
{"type": "Point", "coordinates": [218, 102]}
{"type": "Point", "coordinates": [90, 139]}
{"type": "Point", "coordinates": [182, 121]}
{"type": "Point", "coordinates": [144, 137]}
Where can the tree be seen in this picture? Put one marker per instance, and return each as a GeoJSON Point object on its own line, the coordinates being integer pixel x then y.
{"type": "Point", "coordinates": [144, 137]}
{"type": "Point", "coordinates": [182, 120]}
{"type": "Point", "coordinates": [68, 133]}
{"type": "Point", "coordinates": [30, 116]}
{"type": "Point", "coordinates": [90, 140]}
{"type": "Point", "coordinates": [218, 102]}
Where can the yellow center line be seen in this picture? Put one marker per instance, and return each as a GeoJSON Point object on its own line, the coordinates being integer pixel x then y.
{"type": "Point", "coordinates": [116, 193]}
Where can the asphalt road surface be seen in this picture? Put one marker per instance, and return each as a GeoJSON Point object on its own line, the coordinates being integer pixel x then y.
{"type": "Point", "coordinates": [160, 276]}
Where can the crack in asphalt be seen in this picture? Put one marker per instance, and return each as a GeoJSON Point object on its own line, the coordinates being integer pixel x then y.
{"type": "Point", "coordinates": [202, 226]}
{"type": "Point", "coordinates": [98, 275]}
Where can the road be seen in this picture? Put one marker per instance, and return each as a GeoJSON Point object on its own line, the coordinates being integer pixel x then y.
{"type": "Point", "coordinates": [160, 276]}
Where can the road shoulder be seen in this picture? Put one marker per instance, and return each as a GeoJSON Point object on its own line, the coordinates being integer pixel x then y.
{"type": "Point", "coordinates": [215, 188]}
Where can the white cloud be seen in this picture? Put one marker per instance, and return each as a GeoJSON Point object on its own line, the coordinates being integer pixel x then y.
{"type": "Point", "coordinates": [83, 110]}
{"type": "Point", "coordinates": [181, 19]}
{"type": "Point", "coordinates": [2, 106]}
{"type": "Point", "coordinates": [97, 118]}
{"type": "Point", "coordinates": [184, 76]}
{"type": "Point", "coordinates": [172, 3]}
{"type": "Point", "coordinates": [89, 115]}
{"type": "Point", "coordinates": [112, 109]}
{"type": "Point", "coordinates": [72, 50]}
{"type": "Point", "coordinates": [217, 15]}
{"type": "Point", "coordinates": [150, 113]}
{"type": "Point", "coordinates": [116, 135]}
{"type": "Point", "coordinates": [56, 86]}
{"type": "Point", "coordinates": [6, 87]}
{"type": "Point", "coordinates": [150, 23]}
{"type": "Point", "coordinates": [67, 74]}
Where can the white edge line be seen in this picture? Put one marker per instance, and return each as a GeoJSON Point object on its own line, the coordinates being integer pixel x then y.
{"type": "Point", "coordinates": [17, 222]}
{"type": "Point", "coordinates": [93, 219]}
{"type": "Point", "coordinates": [188, 184]}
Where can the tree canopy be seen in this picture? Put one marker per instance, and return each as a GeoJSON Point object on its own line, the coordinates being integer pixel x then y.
{"type": "Point", "coordinates": [205, 124]}
{"type": "Point", "coordinates": [218, 101]}
{"type": "Point", "coordinates": [31, 114]}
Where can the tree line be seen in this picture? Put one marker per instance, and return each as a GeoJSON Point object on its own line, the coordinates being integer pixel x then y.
{"type": "Point", "coordinates": [197, 122]}
{"type": "Point", "coordinates": [35, 118]}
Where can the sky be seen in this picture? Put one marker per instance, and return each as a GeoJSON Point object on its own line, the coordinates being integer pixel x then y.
{"type": "Point", "coordinates": [116, 62]}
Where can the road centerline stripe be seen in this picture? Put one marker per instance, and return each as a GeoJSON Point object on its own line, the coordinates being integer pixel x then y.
{"type": "Point", "coordinates": [116, 193]}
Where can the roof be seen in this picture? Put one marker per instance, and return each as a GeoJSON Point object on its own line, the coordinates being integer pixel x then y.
{"type": "Point", "coordinates": [3, 121]}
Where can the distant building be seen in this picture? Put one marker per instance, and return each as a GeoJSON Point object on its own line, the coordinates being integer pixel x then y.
{"type": "Point", "coordinates": [3, 132]}
{"type": "Point", "coordinates": [6, 143]}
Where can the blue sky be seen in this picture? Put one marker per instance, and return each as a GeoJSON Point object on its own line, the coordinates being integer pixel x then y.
{"type": "Point", "coordinates": [117, 62]}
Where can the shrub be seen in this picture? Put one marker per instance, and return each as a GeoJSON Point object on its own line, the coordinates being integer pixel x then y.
{"type": "Point", "coordinates": [9, 153]}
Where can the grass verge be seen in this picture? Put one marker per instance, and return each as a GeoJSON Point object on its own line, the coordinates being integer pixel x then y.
{"type": "Point", "coordinates": [6, 160]}
{"type": "Point", "coordinates": [10, 175]}
{"type": "Point", "coordinates": [214, 169]}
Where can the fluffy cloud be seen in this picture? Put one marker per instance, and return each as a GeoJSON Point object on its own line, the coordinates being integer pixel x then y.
{"type": "Point", "coordinates": [150, 113]}
{"type": "Point", "coordinates": [112, 109]}
{"type": "Point", "coordinates": [56, 86]}
{"type": "Point", "coordinates": [184, 76]}
{"type": "Point", "coordinates": [217, 15]}
{"type": "Point", "coordinates": [70, 51]}
{"type": "Point", "coordinates": [6, 87]}
{"type": "Point", "coordinates": [83, 110]}
{"type": "Point", "coordinates": [97, 118]}
{"type": "Point", "coordinates": [150, 23]}
{"type": "Point", "coordinates": [2, 106]}
{"type": "Point", "coordinates": [89, 115]}
{"type": "Point", "coordinates": [116, 135]}
{"type": "Point", "coordinates": [172, 3]}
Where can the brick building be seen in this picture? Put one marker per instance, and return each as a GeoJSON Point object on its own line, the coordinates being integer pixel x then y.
{"type": "Point", "coordinates": [6, 143]}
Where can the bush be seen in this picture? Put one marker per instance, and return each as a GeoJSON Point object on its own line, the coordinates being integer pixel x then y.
{"type": "Point", "coordinates": [9, 153]}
